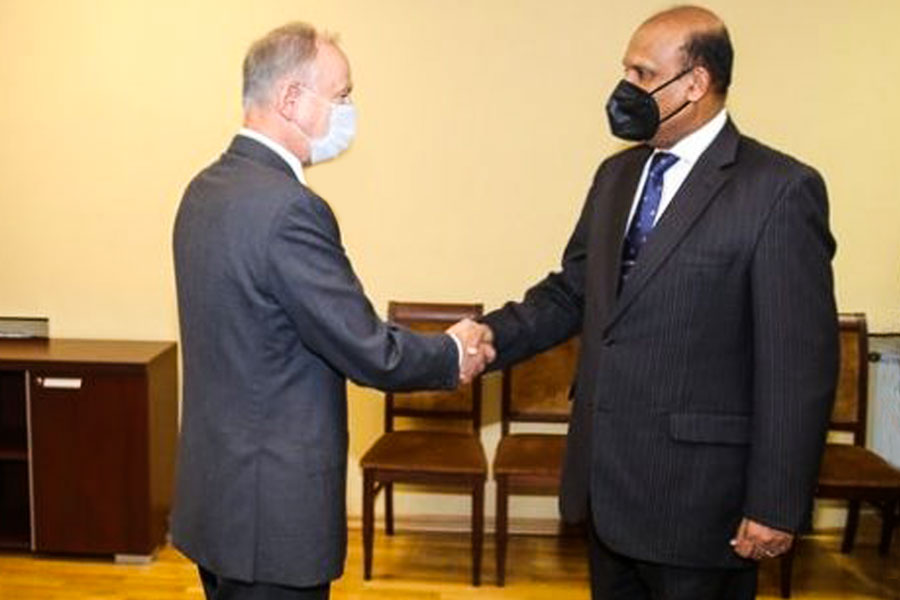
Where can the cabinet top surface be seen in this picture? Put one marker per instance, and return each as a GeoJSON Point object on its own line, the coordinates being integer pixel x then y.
{"type": "Point", "coordinates": [81, 351]}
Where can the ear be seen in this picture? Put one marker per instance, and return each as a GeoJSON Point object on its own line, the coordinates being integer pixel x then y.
{"type": "Point", "coordinates": [701, 84]}
{"type": "Point", "coordinates": [287, 99]}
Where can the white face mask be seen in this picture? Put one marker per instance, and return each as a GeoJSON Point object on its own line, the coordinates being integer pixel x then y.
{"type": "Point", "coordinates": [338, 137]}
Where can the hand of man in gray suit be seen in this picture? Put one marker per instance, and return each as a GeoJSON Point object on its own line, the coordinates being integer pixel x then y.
{"type": "Point", "coordinates": [475, 343]}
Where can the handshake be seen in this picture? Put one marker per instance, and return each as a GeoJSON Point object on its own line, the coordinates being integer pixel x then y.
{"type": "Point", "coordinates": [477, 344]}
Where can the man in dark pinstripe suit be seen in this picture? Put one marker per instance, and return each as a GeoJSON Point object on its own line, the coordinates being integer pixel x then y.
{"type": "Point", "coordinates": [699, 276]}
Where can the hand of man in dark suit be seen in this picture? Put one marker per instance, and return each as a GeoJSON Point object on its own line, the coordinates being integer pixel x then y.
{"type": "Point", "coordinates": [476, 344]}
{"type": "Point", "coordinates": [756, 541]}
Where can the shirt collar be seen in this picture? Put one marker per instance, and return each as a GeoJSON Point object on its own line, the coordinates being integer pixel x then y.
{"type": "Point", "coordinates": [692, 146]}
{"type": "Point", "coordinates": [286, 155]}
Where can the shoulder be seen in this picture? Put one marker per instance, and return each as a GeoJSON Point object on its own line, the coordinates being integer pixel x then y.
{"type": "Point", "coordinates": [298, 210]}
{"type": "Point", "coordinates": [773, 166]}
{"type": "Point", "coordinates": [253, 200]}
{"type": "Point", "coordinates": [784, 188]}
{"type": "Point", "coordinates": [262, 185]}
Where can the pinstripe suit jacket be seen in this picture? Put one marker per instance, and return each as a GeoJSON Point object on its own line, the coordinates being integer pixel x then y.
{"type": "Point", "coordinates": [704, 387]}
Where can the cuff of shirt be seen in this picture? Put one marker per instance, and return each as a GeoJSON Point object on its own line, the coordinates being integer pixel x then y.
{"type": "Point", "coordinates": [459, 349]}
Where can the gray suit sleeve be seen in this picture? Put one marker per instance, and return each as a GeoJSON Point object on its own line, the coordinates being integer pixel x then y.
{"type": "Point", "coordinates": [311, 277]}
{"type": "Point", "coordinates": [795, 339]}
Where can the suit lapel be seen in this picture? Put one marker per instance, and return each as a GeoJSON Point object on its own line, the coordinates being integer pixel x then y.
{"type": "Point", "coordinates": [610, 225]}
{"type": "Point", "coordinates": [692, 198]}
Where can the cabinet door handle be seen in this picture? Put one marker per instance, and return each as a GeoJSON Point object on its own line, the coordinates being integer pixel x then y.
{"type": "Point", "coordinates": [59, 383]}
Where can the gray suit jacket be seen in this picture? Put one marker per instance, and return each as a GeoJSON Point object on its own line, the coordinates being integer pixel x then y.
{"type": "Point", "coordinates": [705, 386]}
{"type": "Point", "coordinates": [272, 321]}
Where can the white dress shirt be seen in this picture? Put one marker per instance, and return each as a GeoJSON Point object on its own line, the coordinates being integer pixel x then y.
{"type": "Point", "coordinates": [289, 157]}
{"type": "Point", "coordinates": [688, 151]}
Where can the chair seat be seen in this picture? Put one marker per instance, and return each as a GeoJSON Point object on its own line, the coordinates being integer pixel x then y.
{"type": "Point", "coordinates": [844, 465]}
{"type": "Point", "coordinates": [534, 454]}
{"type": "Point", "coordinates": [427, 452]}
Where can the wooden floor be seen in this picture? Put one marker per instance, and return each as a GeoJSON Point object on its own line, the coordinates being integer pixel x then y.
{"type": "Point", "coordinates": [435, 566]}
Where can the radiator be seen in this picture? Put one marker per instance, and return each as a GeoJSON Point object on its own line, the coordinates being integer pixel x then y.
{"type": "Point", "coordinates": [884, 397]}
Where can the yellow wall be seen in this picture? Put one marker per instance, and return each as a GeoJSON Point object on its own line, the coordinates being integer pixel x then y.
{"type": "Point", "coordinates": [481, 124]}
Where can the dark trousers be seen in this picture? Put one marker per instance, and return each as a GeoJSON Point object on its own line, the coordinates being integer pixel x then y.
{"type": "Point", "coordinates": [220, 588]}
{"type": "Point", "coordinates": [617, 577]}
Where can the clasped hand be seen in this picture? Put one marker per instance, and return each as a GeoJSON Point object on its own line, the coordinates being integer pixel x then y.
{"type": "Point", "coordinates": [756, 541]}
{"type": "Point", "coordinates": [478, 352]}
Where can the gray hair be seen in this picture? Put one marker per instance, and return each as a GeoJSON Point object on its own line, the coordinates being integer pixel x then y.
{"type": "Point", "coordinates": [288, 49]}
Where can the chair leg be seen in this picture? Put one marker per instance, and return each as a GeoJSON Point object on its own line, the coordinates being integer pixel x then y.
{"type": "Point", "coordinates": [501, 529]}
{"type": "Point", "coordinates": [889, 520]}
{"type": "Point", "coordinates": [389, 508]}
{"type": "Point", "coordinates": [850, 528]}
{"type": "Point", "coordinates": [368, 521]}
{"type": "Point", "coordinates": [477, 530]}
{"type": "Point", "coordinates": [787, 568]}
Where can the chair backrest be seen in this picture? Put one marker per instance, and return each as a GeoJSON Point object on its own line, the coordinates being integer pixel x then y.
{"type": "Point", "coordinates": [537, 390]}
{"type": "Point", "coordinates": [441, 407]}
{"type": "Point", "coordinates": [851, 397]}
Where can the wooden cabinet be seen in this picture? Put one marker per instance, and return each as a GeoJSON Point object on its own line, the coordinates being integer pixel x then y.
{"type": "Point", "coordinates": [87, 445]}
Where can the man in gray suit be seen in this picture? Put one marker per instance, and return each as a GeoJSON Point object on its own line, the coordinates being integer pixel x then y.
{"type": "Point", "coordinates": [273, 320]}
{"type": "Point", "coordinates": [699, 277]}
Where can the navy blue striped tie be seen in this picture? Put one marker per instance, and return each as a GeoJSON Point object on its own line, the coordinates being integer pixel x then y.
{"type": "Point", "coordinates": [645, 215]}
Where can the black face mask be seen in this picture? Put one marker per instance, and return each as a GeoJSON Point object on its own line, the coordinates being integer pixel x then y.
{"type": "Point", "coordinates": [633, 113]}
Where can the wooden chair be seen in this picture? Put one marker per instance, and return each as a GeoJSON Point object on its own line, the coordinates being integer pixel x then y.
{"type": "Point", "coordinates": [535, 391]}
{"type": "Point", "coordinates": [445, 456]}
{"type": "Point", "coordinates": [850, 471]}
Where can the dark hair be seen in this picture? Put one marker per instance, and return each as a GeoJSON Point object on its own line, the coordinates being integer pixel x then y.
{"type": "Point", "coordinates": [712, 50]}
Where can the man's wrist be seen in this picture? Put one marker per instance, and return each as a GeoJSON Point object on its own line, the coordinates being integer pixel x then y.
{"type": "Point", "coordinates": [459, 348]}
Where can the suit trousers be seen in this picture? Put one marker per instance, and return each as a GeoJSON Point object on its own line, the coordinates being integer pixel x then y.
{"type": "Point", "coordinates": [617, 577]}
{"type": "Point", "coordinates": [221, 588]}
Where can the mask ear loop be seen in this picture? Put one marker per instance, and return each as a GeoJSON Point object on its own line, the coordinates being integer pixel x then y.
{"type": "Point", "coordinates": [669, 82]}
